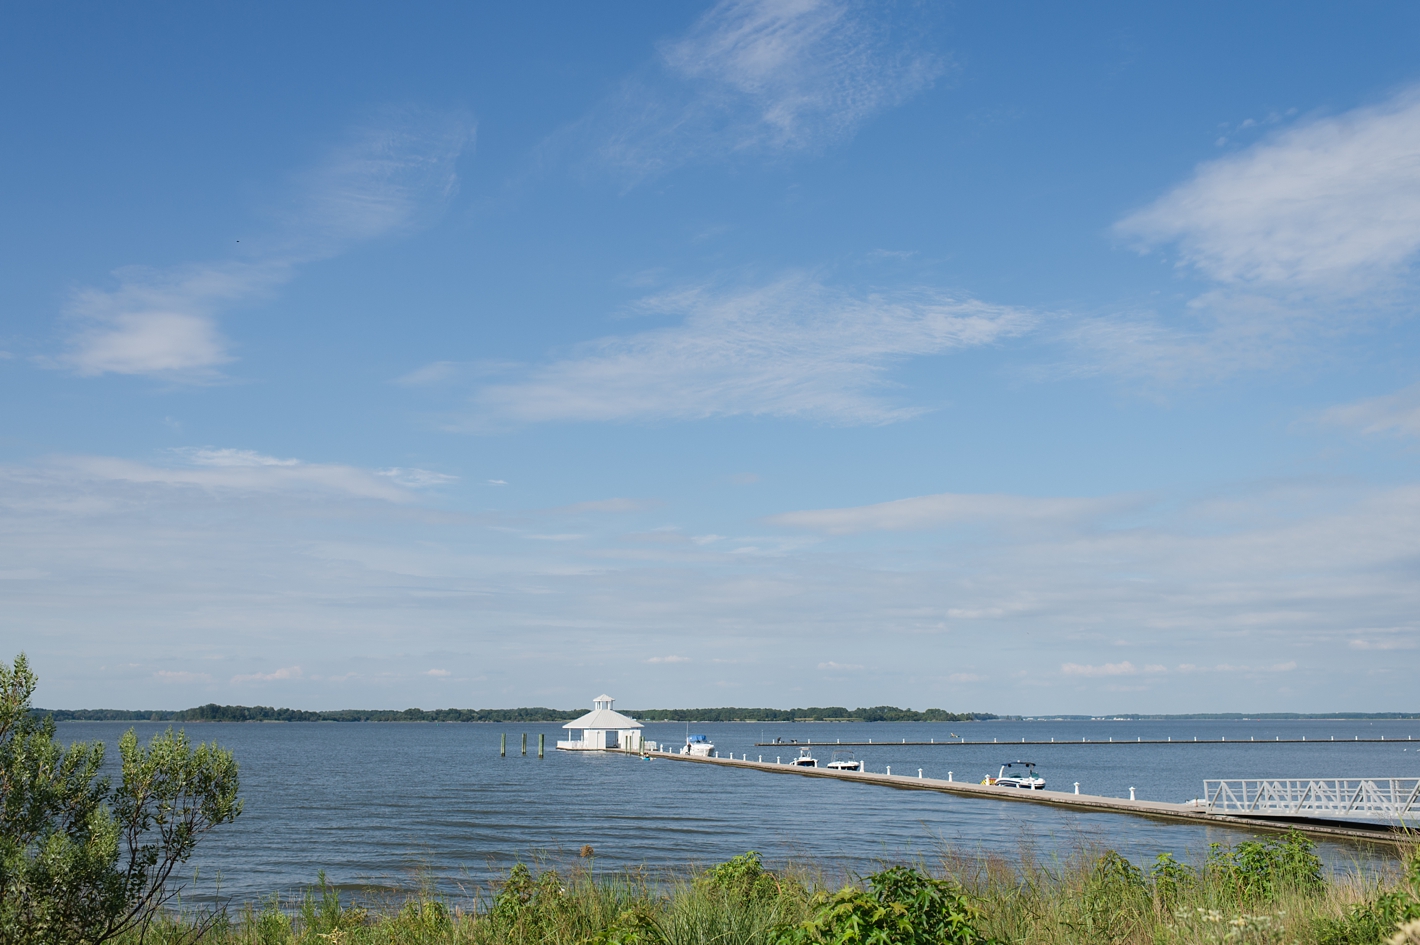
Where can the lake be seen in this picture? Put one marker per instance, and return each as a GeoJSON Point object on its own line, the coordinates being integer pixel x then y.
{"type": "Point", "coordinates": [382, 805]}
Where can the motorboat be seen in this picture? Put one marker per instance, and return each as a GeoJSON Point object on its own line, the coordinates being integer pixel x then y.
{"type": "Point", "coordinates": [805, 759]}
{"type": "Point", "coordinates": [698, 746]}
{"type": "Point", "coordinates": [844, 761]}
{"type": "Point", "coordinates": [1026, 778]}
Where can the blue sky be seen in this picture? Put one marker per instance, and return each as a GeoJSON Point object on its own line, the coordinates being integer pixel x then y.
{"type": "Point", "coordinates": [1019, 359]}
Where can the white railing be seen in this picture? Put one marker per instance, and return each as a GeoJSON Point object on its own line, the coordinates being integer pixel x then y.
{"type": "Point", "coordinates": [1392, 801]}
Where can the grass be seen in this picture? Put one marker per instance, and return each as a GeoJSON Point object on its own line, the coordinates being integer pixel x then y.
{"type": "Point", "coordinates": [1256, 893]}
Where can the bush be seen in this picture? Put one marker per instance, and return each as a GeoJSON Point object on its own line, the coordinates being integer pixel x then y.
{"type": "Point", "coordinates": [1371, 922]}
{"type": "Point", "coordinates": [1171, 880]}
{"type": "Point", "coordinates": [1260, 870]}
{"type": "Point", "coordinates": [743, 876]}
{"type": "Point", "coordinates": [79, 861]}
{"type": "Point", "coordinates": [903, 907]}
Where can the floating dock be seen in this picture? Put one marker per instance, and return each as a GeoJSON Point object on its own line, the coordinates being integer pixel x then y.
{"type": "Point", "coordinates": [1157, 810]}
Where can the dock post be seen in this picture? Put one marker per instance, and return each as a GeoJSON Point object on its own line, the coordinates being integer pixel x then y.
{"type": "Point", "coordinates": [1077, 787]}
{"type": "Point", "coordinates": [1131, 794]}
{"type": "Point", "coordinates": [540, 737]}
{"type": "Point", "coordinates": [503, 745]}
{"type": "Point", "coordinates": [525, 744]}
{"type": "Point", "coordinates": [889, 770]}
{"type": "Point", "coordinates": [949, 775]}
{"type": "Point", "coordinates": [919, 773]}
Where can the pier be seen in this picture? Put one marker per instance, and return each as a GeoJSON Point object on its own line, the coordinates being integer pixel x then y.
{"type": "Point", "coordinates": [958, 743]}
{"type": "Point", "coordinates": [1157, 810]}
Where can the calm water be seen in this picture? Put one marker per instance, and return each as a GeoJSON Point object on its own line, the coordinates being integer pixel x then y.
{"type": "Point", "coordinates": [377, 804]}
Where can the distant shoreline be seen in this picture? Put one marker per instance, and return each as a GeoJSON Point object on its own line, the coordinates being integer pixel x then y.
{"type": "Point", "coordinates": [224, 713]}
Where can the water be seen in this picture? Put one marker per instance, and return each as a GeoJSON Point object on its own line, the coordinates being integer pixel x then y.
{"type": "Point", "coordinates": [382, 804]}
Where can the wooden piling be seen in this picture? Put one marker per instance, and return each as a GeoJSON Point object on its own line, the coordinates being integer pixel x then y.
{"type": "Point", "coordinates": [540, 737]}
{"type": "Point", "coordinates": [503, 745]}
{"type": "Point", "coordinates": [525, 744]}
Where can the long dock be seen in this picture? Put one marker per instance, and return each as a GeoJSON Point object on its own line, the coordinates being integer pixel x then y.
{"type": "Point", "coordinates": [1157, 810]}
{"type": "Point", "coordinates": [959, 743]}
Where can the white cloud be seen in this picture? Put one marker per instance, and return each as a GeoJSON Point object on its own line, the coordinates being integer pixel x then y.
{"type": "Point", "coordinates": [209, 456]}
{"type": "Point", "coordinates": [965, 678]}
{"type": "Point", "coordinates": [947, 509]}
{"type": "Point", "coordinates": [1304, 236]}
{"type": "Point", "coordinates": [415, 478]}
{"type": "Point", "coordinates": [761, 79]}
{"type": "Point", "coordinates": [1382, 645]}
{"type": "Point", "coordinates": [669, 659]}
{"type": "Point", "coordinates": [162, 322]}
{"type": "Point", "coordinates": [286, 673]}
{"type": "Point", "coordinates": [1125, 668]}
{"type": "Point", "coordinates": [793, 348]}
{"type": "Point", "coordinates": [240, 471]}
{"type": "Point", "coordinates": [837, 667]}
{"type": "Point", "coordinates": [1334, 202]}
{"type": "Point", "coordinates": [437, 673]}
{"type": "Point", "coordinates": [181, 676]}
{"type": "Point", "coordinates": [254, 579]}
{"type": "Point", "coordinates": [1397, 413]}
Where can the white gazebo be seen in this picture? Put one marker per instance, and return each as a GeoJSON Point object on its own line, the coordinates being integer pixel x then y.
{"type": "Point", "coordinates": [602, 728]}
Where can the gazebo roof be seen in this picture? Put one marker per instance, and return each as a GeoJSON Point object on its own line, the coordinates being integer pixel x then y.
{"type": "Point", "coordinates": [603, 718]}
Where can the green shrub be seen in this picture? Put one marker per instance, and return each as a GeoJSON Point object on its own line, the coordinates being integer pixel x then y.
{"type": "Point", "coordinates": [1376, 920]}
{"type": "Point", "coordinates": [1171, 880]}
{"type": "Point", "coordinates": [743, 876]}
{"type": "Point", "coordinates": [1260, 870]}
{"type": "Point", "coordinates": [80, 861]}
{"type": "Point", "coordinates": [903, 907]}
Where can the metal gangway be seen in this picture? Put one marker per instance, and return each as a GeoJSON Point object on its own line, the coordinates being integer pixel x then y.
{"type": "Point", "coordinates": [1390, 801]}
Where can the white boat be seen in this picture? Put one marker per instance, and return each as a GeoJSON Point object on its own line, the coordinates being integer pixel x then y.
{"type": "Point", "coordinates": [844, 761]}
{"type": "Point", "coordinates": [1028, 780]}
{"type": "Point", "coordinates": [805, 759]}
{"type": "Point", "coordinates": [698, 746]}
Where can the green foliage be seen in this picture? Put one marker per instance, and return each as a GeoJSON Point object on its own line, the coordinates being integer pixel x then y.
{"type": "Point", "coordinates": [903, 907]}
{"type": "Point", "coordinates": [1113, 899]}
{"type": "Point", "coordinates": [1377, 919]}
{"type": "Point", "coordinates": [1171, 879]}
{"type": "Point", "coordinates": [743, 876]}
{"type": "Point", "coordinates": [1258, 870]}
{"type": "Point", "coordinates": [80, 862]}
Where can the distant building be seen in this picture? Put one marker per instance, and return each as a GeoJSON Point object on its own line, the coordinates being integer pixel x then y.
{"type": "Point", "coordinates": [602, 728]}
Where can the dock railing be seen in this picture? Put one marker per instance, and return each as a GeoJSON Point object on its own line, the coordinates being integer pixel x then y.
{"type": "Point", "coordinates": [1389, 801]}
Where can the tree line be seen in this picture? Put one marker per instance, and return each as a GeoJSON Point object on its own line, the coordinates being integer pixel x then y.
{"type": "Point", "coordinates": [261, 713]}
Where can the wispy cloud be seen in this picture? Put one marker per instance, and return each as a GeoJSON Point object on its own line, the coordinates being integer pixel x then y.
{"type": "Point", "coordinates": [181, 676]}
{"type": "Point", "coordinates": [415, 478]}
{"type": "Point", "coordinates": [669, 659]}
{"type": "Point", "coordinates": [387, 179]}
{"type": "Point", "coordinates": [1333, 202]}
{"type": "Point", "coordinates": [1106, 670]}
{"type": "Point", "coordinates": [1384, 645]}
{"type": "Point", "coordinates": [759, 78]}
{"type": "Point", "coordinates": [1397, 413]}
{"type": "Point", "coordinates": [212, 568]}
{"type": "Point", "coordinates": [246, 471]}
{"type": "Point", "coordinates": [285, 674]}
{"type": "Point", "coordinates": [947, 509]}
{"type": "Point", "coordinates": [793, 348]}
{"type": "Point", "coordinates": [1300, 237]}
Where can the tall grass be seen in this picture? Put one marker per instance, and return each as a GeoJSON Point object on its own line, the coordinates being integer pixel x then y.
{"type": "Point", "coordinates": [1256, 893]}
